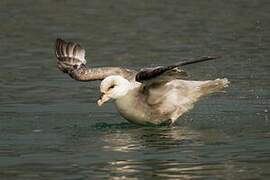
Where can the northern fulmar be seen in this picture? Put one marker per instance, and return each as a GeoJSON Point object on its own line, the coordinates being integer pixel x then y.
{"type": "Point", "coordinates": [156, 96]}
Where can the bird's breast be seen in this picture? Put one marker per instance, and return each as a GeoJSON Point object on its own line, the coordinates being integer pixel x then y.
{"type": "Point", "coordinates": [131, 108]}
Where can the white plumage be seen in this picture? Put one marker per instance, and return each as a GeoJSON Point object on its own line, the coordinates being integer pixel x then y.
{"type": "Point", "coordinates": [158, 104]}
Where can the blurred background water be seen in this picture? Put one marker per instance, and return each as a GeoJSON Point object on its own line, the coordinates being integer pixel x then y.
{"type": "Point", "coordinates": [51, 128]}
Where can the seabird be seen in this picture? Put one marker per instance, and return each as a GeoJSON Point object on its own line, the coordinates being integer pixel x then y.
{"type": "Point", "coordinates": [150, 96]}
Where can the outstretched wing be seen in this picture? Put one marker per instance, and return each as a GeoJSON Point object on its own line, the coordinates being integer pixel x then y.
{"type": "Point", "coordinates": [71, 59]}
{"type": "Point", "coordinates": [70, 55]}
{"type": "Point", "coordinates": [151, 73]}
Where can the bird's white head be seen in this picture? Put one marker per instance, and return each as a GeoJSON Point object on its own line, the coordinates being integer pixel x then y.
{"type": "Point", "coordinates": [113, 87]}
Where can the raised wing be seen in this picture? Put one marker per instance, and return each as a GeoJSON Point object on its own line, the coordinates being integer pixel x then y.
{"type": "Point", "coordinates": [151, 73]}
{"type": "Point", "coordinates": [70, 55]}
{"type": "Point", "coordinates": [71, 60]}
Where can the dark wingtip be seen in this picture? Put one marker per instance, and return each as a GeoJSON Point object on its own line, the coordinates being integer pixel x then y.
{"type": "Point", "coordinates": [145, 75]}
{"type": "Point", "coordinates": [59, 40]}
{"type": "Point", "coordinates": [58, 46]}
{"type": "Point", "coordinates": [138, 77]}
{"type": "Point", "coordinates": [198, 60]}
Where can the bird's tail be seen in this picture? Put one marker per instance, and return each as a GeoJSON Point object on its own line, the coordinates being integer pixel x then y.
{"type": "Point", "coordinates": [212, 86]}
{"type": "Point", "coordinates": [69, 55]}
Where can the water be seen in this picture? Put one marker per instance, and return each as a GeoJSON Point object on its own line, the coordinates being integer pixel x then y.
{"type": "Point", "coordinates": [51, 128]}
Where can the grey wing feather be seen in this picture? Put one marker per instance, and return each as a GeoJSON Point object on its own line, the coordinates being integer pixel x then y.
{"type": "Point", "coordinates": [150, 73]}
{"type": "Point", "coordinates": [70, 55]}
{"type": "Point", "coordinates": [71, 59]}
{"type": "Point", "coordinates": [165, 77]}
{"type": "Point", "coordinates": [155, 87]}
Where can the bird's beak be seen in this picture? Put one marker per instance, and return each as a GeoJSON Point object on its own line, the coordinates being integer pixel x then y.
{"type": "Point", "coordinates": [102, 99]}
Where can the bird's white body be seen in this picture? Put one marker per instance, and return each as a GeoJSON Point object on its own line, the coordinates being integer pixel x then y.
{"type": "Point", "coordinates": [131, 108]}
{"type": "Point", "coordinates": [158, 105]}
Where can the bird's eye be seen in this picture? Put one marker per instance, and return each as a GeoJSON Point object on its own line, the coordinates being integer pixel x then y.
{"type": "Point", "coordinates": [111, 87]}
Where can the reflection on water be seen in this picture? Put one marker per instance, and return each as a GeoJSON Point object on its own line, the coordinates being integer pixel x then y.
{"type": "Point", "coordinates": [162, 139]}
{"type": "Point", "coordinates": [51, 128]}
{"type": "Point", "coordinates": [126, 151]}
